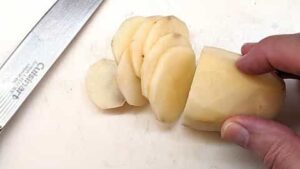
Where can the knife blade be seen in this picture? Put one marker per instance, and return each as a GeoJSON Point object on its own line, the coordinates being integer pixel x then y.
{"type": "Point", "coordinates": [34, 56]}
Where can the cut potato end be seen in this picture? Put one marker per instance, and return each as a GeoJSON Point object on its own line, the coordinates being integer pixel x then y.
{"type": "Point", "coordinates": [165, 25]}
{"type": "Point", "coordinates": [151, 59]}
{"type": "Point", "coordinates": [123, 36]}
{"type": "Point", "coordinates": [137, 43]}
{"type": "Point", "coordinates": [101, 85]}
{"type": "Point", "coordinates": [129, 83]}
{"type": "Point", "coordinates": [220, 90]}
{"type": "Point", "coordinates": [171, 82]}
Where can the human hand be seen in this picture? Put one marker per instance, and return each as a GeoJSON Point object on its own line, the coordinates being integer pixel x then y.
{"type": "Point", "coordinates": [277, 145]}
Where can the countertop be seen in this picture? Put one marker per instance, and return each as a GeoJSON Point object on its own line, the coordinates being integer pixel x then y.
{"type": "Point", "coordinates": [58, 127]}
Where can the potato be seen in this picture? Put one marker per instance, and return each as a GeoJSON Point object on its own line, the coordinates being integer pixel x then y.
{"type": "Point", "coordinates": [102, 86]}
{"type": "Point", "coordinates": [137, 43]}
{"type": "Point", "coordinates": [123, 36]}
{"type": "Point", "coordinates": [150, 61]}
{"type": "Point", "coordinates": [129, 83]}
{"type": "Point", "coordinates": [165, 25]}
{"type": "Point", "coordinates": [171, 83]}
{"type": "Point", "coordinates": [219, 90]}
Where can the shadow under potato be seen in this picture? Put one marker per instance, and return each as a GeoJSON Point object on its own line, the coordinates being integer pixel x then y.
{"type": "Point", "coordinates": [207, 136]}
{"type": "Point", "coordinates": [126, 108]}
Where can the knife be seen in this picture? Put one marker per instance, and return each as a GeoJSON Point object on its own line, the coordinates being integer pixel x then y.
{"type": "Point", "coordinates": [38, 51]}
{"type": "Point", "coordinates": [285, 75]}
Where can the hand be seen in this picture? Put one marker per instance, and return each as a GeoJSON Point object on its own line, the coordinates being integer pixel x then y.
{"type": "Point", "coordinates": [277, 145]}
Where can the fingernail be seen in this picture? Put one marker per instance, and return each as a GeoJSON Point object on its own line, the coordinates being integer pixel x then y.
{"type": "Point", "coordinates": [240, 63]}
{"type": "Point", "coordinates": [248, 46]}
{"type": "Point", "coordinates": [241, 57]}
{"type": "Point", "coordinates": [235, 133]}
{"type": "Point", "coordinates": [249, 43]}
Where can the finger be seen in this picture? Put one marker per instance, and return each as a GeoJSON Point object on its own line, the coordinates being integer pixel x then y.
{"type": "Point", "coordinates": [246, 47]}
{"type": "Point", "coordinates": [280, 52]}
{"type": "Point", "coordinates": [277, 145]}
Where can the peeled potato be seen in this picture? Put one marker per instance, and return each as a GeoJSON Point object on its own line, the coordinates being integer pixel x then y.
{"type": "Point", "coordinates": [219, 90]}
{"type": "Point", "coordinates": [171, 82]}
{"type": "Point", "coordinates": [165, 25]}
{"type": "Point", "coordinates": [150, 61]}
{"type": "Point", "coordinates": [122, 38]}
{"type": "Point", "coordinates": [137, 43]}
{"type": "Point", "coordinates": [129, 83]}
{"type": "Point", "coordinates": [102, 86]}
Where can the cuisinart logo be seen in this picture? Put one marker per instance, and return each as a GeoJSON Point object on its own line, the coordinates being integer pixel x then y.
{"type": "Point", "coordinates": [25, 78]}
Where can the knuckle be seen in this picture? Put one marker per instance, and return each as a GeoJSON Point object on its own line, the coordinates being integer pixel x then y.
{"type": "Point", "coordinates": [278, 154]}
{"type": "Point", "coordinates": [266, 47]}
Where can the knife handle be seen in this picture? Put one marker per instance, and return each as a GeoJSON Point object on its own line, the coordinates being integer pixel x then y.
{"type": "Point", "coordinates": [285, 75]}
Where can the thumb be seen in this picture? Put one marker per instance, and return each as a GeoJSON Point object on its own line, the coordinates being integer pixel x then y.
{"type": "Point", "coordinates": [277, 145]}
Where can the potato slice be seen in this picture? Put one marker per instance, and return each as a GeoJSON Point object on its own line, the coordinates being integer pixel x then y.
{"type": "Point", "coordinates": [171, 82]}
{"type": "Point", "coordinates": [137, 43]}
{"type": "Point", "coordinates": [123, 36]}
{"type": "Point", "coordinates": [220, 90]}
{"type": "Point", "coordinates": [129, 83]}
{"type": "Point", "coordinates": [150, 61]}
{"type": "Point", "coordinates": [165, 25]}
{"type": "Point", "coordinates": [101, 85]}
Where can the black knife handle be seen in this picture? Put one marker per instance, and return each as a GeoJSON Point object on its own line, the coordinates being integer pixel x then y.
{"type": "Point", "coordinates": [285, 75]}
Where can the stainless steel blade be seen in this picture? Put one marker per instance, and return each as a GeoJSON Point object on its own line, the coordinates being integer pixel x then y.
{"type": "Point", "coordinates": [26, 66]}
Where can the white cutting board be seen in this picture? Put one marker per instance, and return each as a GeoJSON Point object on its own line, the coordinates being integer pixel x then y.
{"type": "Point", "coordinates": [59, 128]}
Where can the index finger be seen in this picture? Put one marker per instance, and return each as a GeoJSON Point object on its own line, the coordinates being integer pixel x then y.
{"type": "Point", "coordinates": [280, 52]}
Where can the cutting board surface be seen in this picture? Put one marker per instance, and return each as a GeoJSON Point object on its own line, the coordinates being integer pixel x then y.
{"type": "Point", "coordinates": [58, 127]}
